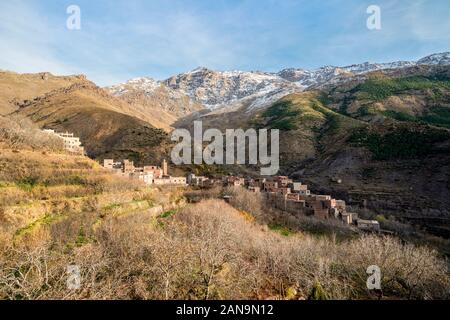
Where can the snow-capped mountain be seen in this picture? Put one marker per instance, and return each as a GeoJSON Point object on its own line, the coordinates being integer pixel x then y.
{"type": "Point", "coordinates": [307, 78]}
{"type": "Point", "coordinates": [436, 59]}
{"type": "Point", "coordinates": [143, 84]}
{"type": "Point", "coordinates": [219, 89]}
{"type": "Point", "coordinates": [215, 89]}
{"type": "Point", "coordinates": [152, 97]}
{"type": "Point", "coordinates": [368, 67]}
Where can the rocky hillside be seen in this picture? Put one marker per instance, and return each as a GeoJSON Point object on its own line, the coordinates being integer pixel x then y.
{"type": "Point", "coordinates": [150, 97]}
{"type": "Point", "coordinates": [107, 126]}
{"type": "Point", "coordinates": [16, 89]}
{"type": "Point", "coordinates": [221, 89]}
{"type": "Point", "coordinates": [381, 141]}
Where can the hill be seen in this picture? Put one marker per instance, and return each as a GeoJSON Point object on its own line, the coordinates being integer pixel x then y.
{"type": "Point", "coordinates": [364, 142]}
{"type": "Point", "coordinates": [150, 97]}
{"type": "Point", "coordinates": [107, 126]}
{"type": "Point", "coordinates": [130, 241]}
{"type": "Point", "coordinates": [19, 88]}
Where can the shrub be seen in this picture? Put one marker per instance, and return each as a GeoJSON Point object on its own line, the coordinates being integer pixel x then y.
{"type": "Point", "coordinates": [317, 292]}
{"type": "Point", "coordinates": [20, 133]}
{"type": "Point", "coordinates": [208, 251]}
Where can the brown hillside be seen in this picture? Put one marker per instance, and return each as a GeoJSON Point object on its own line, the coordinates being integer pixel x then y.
{"type": "Point", "coordinates": [100, 120]}
{"type": "Point", "coordinates": [164, 107]}
{"type": "Point", "coordinates": [16, 88]}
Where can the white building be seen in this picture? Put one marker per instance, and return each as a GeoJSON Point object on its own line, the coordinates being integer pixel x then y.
{"type": "Point", "coordinates": [71, 143]}
{"type": "Point", "coordinates": [171, 181]}
{"type": "Point", "coordinates": [369, 225]}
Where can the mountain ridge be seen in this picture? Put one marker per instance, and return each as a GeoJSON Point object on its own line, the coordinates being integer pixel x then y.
{"type": "Point", "coordinates": [224, 89]}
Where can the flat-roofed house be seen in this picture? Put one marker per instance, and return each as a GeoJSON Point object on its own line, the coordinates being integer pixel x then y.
{"type": "Point", "coordinates": [293, 197]}
{"type": "Point", "coordinates": [270, 186]}
{"type": "Point", "coordinates": [128, 166]}
{"type": "Point", "coordinates": [347, 217]}
{"type": "Point", "coordinates": [322, 197]}
{"type": "Point", "coordinates": [283, 181]}
{"type": "Point", "coordinates": [155, 170]}
{"type": "Point", "coordinates": [170, 181]}
{"type": "Point", "coordinates": [108, 164]}
{"type": "Point", "coordinates": [71, 143]}
{"type": "Point", "coordinates": [368, 225]}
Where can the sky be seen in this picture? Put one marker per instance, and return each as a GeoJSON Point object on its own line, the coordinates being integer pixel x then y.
{"type": "Point", "coordinates": [123, 39]}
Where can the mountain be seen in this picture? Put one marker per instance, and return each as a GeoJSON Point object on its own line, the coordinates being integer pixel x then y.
{"type": "Point", "coordinates": [216, 89]}
{"type": "Point", "coordinates": [155, 99]}
{"type": "Point", "coordinates": [436, 59]}
{"type": "Point", "coordinates": [108, 127]}
{"type": "Point", "coordinates": [384, 136]}
{"type": "Point", "coordinates": [230, 90]}
{"type": "Point", "coordinates": [19, 88]}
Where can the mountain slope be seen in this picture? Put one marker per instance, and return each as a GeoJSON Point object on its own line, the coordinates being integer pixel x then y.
{"type": "Point", "coordinates": [393, 165]}
{"type": "Point", "coordinates": [419, 94]}
{"type": "Point", "coordinates": [385, 163]}
{"type": "Point", "coordinates": [154, 98]}
{"type": "Point", "coordinates": [104, 124]}
{"type": "Point", "coordinates": [16, 88]}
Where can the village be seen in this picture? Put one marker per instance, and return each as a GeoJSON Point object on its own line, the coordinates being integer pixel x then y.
{"type": "Point", "coordinates": [280, 191]}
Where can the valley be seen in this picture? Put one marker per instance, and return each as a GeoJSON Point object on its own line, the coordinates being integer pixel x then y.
{"type": "Point", "coordinates": [374, 135]}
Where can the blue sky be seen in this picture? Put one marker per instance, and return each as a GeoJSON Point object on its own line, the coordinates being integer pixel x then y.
{"type": "Point", "coordinates": [122, 39]}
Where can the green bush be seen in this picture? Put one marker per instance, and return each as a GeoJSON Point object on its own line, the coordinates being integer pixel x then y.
{"type": "Point", "coordinates": [317, 292]}
{"type": "Point", "coordinates": [28, 183]}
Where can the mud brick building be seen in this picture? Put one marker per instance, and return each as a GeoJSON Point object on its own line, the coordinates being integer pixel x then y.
{"type": "Point", "coordinates": [151, 174]}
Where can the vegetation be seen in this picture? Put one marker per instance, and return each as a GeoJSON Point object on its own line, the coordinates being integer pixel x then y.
{"type": "Point", "coordinates": [439, 116]}
{"type": "Point", "coordinates": [317, 292]}
{"type": "Point", "coordinates": [207, 251]}
{"type": "Point", "coordinates": [20, 133]}
{"type": "Point", "coordinates": [292, 114]}
{"type": "Point", "coordinates": [281, 229]}
{"type": "Point", "coordinates": [403, 142]}
{"type": "Point", "coordinates": [381, 87]}
{"type": "Point", "coordinates": [113, 230]}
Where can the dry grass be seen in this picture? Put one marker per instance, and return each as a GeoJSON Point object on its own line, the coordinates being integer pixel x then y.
{"type": "Point", "coordinates": [135, 242]}
{"type": "Point", "coordinates": [20, 133]}
{"type": "Point", "coordinates": [207, 251]}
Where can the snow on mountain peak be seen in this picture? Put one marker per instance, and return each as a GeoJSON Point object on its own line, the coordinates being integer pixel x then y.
{"type": "Point", "coordinates": [145, 84]}
{"type": "Point", "coordinates": [217, 89]}
{"type": "Point", "coordinates": [436, 59]}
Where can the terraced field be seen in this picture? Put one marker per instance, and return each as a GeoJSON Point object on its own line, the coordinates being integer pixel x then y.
{"type": "Point", "coordinates": [40, 190]}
